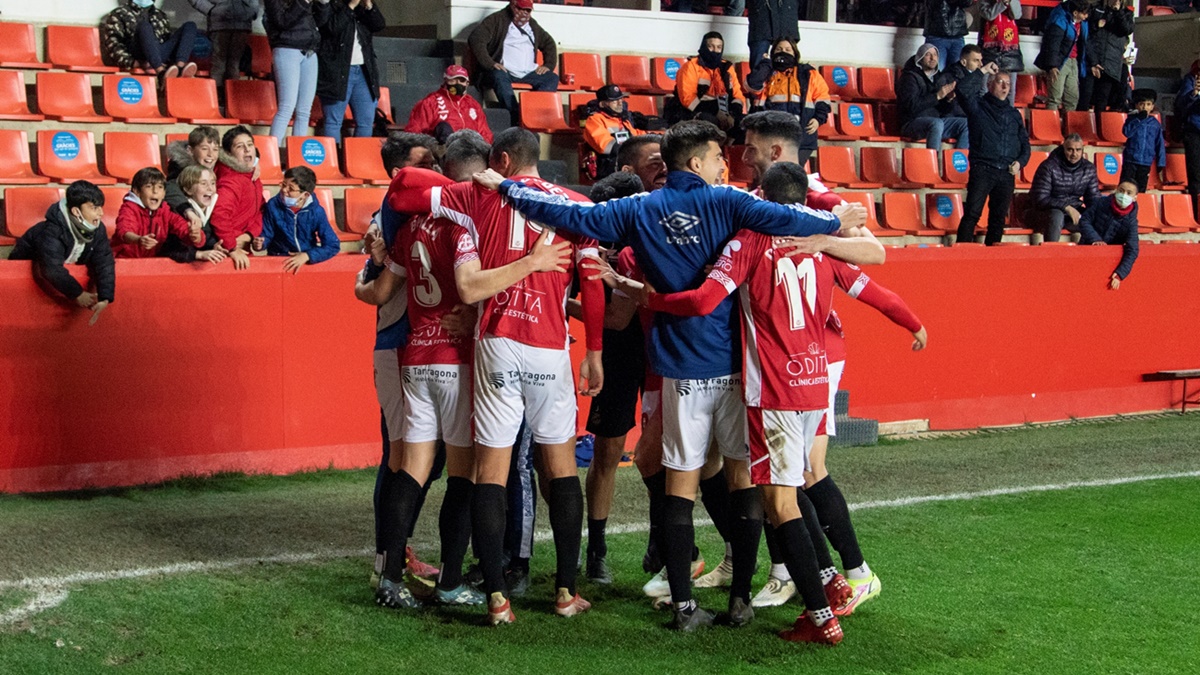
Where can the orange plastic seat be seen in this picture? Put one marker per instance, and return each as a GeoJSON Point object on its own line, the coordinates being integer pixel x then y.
{"type": "Point", "coordinates": [837, 168]}
{"type": "Point", "coordinates": [325, 198]}
{"type": "Point", "coordinates": [643, 104]}
{"type": "Point", "coordinates": [126, 153]}
{"type": "Point", "coordinates": [133, 99]}
{"type": "Point", "coordinates": [887, 119]}
{"type": "Point", "coordinates": [76, 48]}
{"type": "Point", "coordinates": [18, 47]}
{"type": "Point", "coordinates": [1159, 10]}
{"type": "Point", "coordinates": [956, 166]}
{"type": "Point", "coordinates": [543, 111]}
{"type": "Point", "coordinates": [14, 105]}
{"type": "Point", "coordinates": [319, 153]}
{"type": "Point", "coordinates": [740, 173]}
{"type": "Point", "coordinates": [1036, 158]}
{"type": "Point", "coordinates": [363, 160]}
{"type": "Point", "coordinates": [857, 121]}
{"type": "Point", "coordinates": [1083, 122]}
{"type": "Point", "coordinates": [67, 97]}
{"type": "Point", "coordinates": [882, 165]}
{"type": "Point", "coordinates": [868, 200]}
{"type": "Point", "coordinates": [662, 73]}
{"type": "Point", "coordinates": [25, 207]}
{"type": "Point", "coordinates": [1108, 168]}
{"type": "Point", "coordinates": [270, 168]}
{"type": "Point", "coordinates": [262, 63]}
{"type": "Point", "coordinates": [194, 100]}
{"type": "Point", "coordinates": [842, 81]}
{"type": "Point", "coordinates": [361, 204]}
{"type": "Point", "coordinates": [113, 197]}
{"type": "Point", "coordinates": [902, 211]}
{"type": "Point", "coordinates": [877, 84]}
{"type": "Point", "coordinates": [1150, 216]}
{"type": "Point", "coordinates": [1176, 169]}
{"type": "Point", "coordinates": [15, 167]}
{"type": "Point", "coordinates": [385, 104]}
{"type": "Point", "coordinates": [827, 132]}
{"type": "Point", "coordinates": [577, 105]}
{"type": "Point", "coordinates": [1112, 125]}
{"type": "Point", "coordinates": [943, 211]}
{"type": "Point", "coordinates": [68, 156]}
{"type": "Point", "coordinates": [921, 166]}
{"type": "Point", "coordinates": [630, 73]}
{"type": "Point", "coordinates": [1026, 90]}
{"type": "Point", "coordinates": [251, 101]}
{"type": "Point", "coordinates": [585, 68]}
{"type": "Point", "coordinates": [1045, 127]}
{"type": "Point", "coordinates": [1178, 212]}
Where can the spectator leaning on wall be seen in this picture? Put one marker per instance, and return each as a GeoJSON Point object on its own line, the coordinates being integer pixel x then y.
{"type": "Point", "coordinates": [1114, 221]}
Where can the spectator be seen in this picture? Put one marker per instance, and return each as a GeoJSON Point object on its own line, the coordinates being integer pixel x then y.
{"type": "Point", "coordinates": [1144, 144]}
{"type": "Point", "coordinates": [143, 225]}
{"type": "Point", "coordinates": [642, 156]}
{"type": "Point", "coordinates": [1109, 27]}
{"type": "Point", "coordinates": [609, 126]}
{"type": "Point", "coordinates": [999, 148]}
{"type": "Point", "coordinates": [924, 105]}
{"type": "Point", "coordinates": [295, 225]}
{"type": "Point", "coordinates": [783, 83]}
{"type": "Point", "coordinates": [347, 72]}
{"type": "Point", "coordinates": [969, 76]}
{"type": "Point", "coordinates": [202, 148]}
{"type": "Point", "coordinates": [1063, 56]}
{"type": "Point", "coordinates": [449, 109]}
{"type": "Point", "coordinates": [1114, 220]}
{"type": "Point", "coordinates": [68, 236]}
{"type": "Point", "coordinates": [773, 20]}
{"type": "Point", "coordinates": [505, 46]}
{"type": "Point", "coordinates": [294, 39]}
{"type": "Point", "coordinates": [466, 154]}
{"type": "Point", "coordinates": [228, 28]}
{"type": "Point", "coordinates": [1064, 186]}
{"type": "Point", "coordinates": [199, 186]}
{"type": "Point", "coordinates": [945, 26]}
{"type": "Point", "coordinates": [1187, 110]}
{"type": "Point", "coordinates": [138, 35]}
{"type": "Point", "coordinates": [237, 216]}
{"type": "Point", "coordinates": [1001, 40]}
{"type": "Point", "coordinates": [707, 88]}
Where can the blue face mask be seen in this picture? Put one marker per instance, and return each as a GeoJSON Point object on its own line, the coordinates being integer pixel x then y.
{"type": "Point", "coordinates": [143, 3]}
{"type": "Point", "coordinates": [292, 202]}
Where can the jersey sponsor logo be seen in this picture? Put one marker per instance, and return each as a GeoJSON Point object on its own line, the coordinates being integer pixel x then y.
{"type": "Point", "coordinates": [520, 302]}
{"type": "Point", "coordinates": [405, 376]}
{"type": "Point", "coordinates": [429, 374]}
{"type": "Point", "coordinates": [531, 379]}
{"type": "Point", "coordinates": [808, 369]}
{"type": "Point", "coordinates": [496, 379]}
{"type": "Point", "coordinates": [678, 224]}
{"type": "Point", "coordinates": [683, 387]}
{"type": "Point", "coordinates": [712, 384]}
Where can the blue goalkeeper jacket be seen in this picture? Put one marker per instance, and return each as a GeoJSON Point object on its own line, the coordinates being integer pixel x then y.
{"type": "Point", "coordinates": [675, 233]}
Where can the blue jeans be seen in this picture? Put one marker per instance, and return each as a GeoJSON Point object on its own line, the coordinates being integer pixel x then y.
{"type": "Point", "coordinates": [177, 48]}
{"type": "Point", "coordinates": [295, 89]}
{"type": "Point", "coordinates": [937, 129]}
{"type": "Point", "coordinates": [949, 49]}
{"type": "Point", "coordinates": [502, 83]}
{"type": "Point", "coordinates": [358, 97]}
{"type": "Point", "coordinates": [757, 49]}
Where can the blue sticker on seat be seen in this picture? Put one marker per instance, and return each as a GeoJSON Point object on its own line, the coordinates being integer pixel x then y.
{"type": "Point", "coordinates": [855, 115]}
{"type": "Point", "coordinates": [944, 207]}
{"type": "Point", "coordinates": [129, 90]}
{"type": "Point", "coordinates": [65, 146]}
{"type": "Point", "coordinates": [671, 68]}
{"type": "Point", "coordinates": [1110, 165]}
{"type": "Point", "coordinates": [840, 77]}
{"type": "Point", "coordinates": [959, 160]}
{"type": "Point", "coordinates": [313, 152]}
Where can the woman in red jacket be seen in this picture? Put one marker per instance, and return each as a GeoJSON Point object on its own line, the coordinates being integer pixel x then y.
{"type": "Point", "coordinates": [237, 217]}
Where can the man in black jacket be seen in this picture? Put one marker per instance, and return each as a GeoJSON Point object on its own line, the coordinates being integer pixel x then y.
{"type": "Point", "coordinates": [1109, 26]}
{"type": "Point", "coordinates": [505, 46]}
{"type": "Point", "coordinates": [999, 148]}
{"type": "Point", "coordinates": [73, 234]}
{"type": "Point", "coordinates": [925, 107]}
{"type": "Point", "coordinates": [772, 20]}
{"type": "Point", "coordinates": [969, 75]}
{"type": "Point", "coordinates": [945, 26]}
{"type": "Point", "coordinates": [1065, 186]}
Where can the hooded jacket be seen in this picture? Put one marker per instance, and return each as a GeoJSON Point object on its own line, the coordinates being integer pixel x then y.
{"type": "Point", "coordinates": [136, 218]}
{"type": "Point", "coordinates": [118, 31]}
{"type": "Point", "coordinates": [946, 18]}
{"type": "Point", "coordinates": [460, 112]}
{"type": "Point", "coordinates": [290, 24]}
{"type": "Point", "coordinates": [1144, 143]}
{"type": "Point", "coordinates": [308, 230]}
{"type": "Point", "coordinates": [800, 91]}
{"type": "Point", "coordinates": [1058, 39]}
{"type": "Point", "coordinates": [1102, 223]}
{"type": "Point", "coordinates": [916, 94]}
{"type": "Point", "coordinates": [340, 26]}
{"type": "Point", "coordinates": [1106, 44]}
{"type": "Point", "coordinates": [1058, 184]}
{"type": "Point", "coordinates": [998, 134]}
{"type": "Point", "coordinates": [52, 243]}
{"type": "Point", "coordinates": [486, 42]}
{"type": "Point", "coordinates": [229, 14]}
{"type": "Point", "coordinates": [239, 202]}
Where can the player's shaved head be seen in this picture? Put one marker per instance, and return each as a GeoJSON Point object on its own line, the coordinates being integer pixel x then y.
{"type": "Point", "coordinates": [514, 149]}
{"type": "Point", "coordinates": [785, 183]}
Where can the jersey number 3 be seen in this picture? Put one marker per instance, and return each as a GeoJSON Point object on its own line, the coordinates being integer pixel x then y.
{"type": "Point", "coordinates": [426, 290]}
{"type": "Point", "coordinates": [799, 283]}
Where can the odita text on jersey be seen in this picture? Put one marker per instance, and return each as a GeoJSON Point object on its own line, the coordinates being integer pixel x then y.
{"type": "Point", "coordinates": [803, 369]}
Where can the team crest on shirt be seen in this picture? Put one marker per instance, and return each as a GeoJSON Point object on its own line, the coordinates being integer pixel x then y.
{"type": "Point", "coordinates": [473, 114]}
{"type": "Point", "coordinates": [677, 225]}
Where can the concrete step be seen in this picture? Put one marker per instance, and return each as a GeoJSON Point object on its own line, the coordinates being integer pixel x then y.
{"type": "Point", "coordinates": [498, 119]}
{"type": "Point", "coordinates": [405, 96]}
{"type": "Point", "coordinates": [418, 70]}
{"type": "Point", "coordinates": [853, 431]}
{"type": "Point", "coordinates": [841, 403]}
{"type": "Point", "coordinates": [389, 48]}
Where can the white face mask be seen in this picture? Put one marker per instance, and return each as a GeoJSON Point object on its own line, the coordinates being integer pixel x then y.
{"type": "Point", "coordinates": [1123, 199]}
{"type": "Point", "coordinates": [83, 224]}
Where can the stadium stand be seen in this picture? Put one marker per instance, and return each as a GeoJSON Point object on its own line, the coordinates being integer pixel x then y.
{"type": "Point", "coordinates": [1178, 213]}
{"type": "Point", "coordinates": [868, 200]}
{"type": "Point", "coordinates": [251, 101]}
{"type": "Point", "coordinates": [1083, 122]}
{"type": "Point", "coordinates": [261, 63]}
{"type": "Point", "coordinates": [25, 207]}
{"type": "Point", "coordinates": [1045, 127]}
{"type": "Point", "coordinates": [630, 73]}
{"type": "Point", "coordinates": [882, 165]}
{"type": "Point", "coordinates": [543, 111]}
{"type": "Point", "coordinates": [943, 211]}
{"type": "Point", "coordinates": [67, 97]}
{"type": "Point", "coordinates": [662, 73]}
{"type": "Point", "coordinates": [69, 155]}
{"type": "Point", "coordinates": [269, 165]}
{"type": "Point", "coordinates": [18, 47]}
{"type": "Point", "coordinates": [877, 84]}
{"type": "Point", "coordinates": [126, 153]}
{"type": "Point", "coordinates": [956, 166]}
{"type": "Point", "coordinates": [902, 211]}
{"type": "Point", "coordinates": [319, 153]}
{"type": "Point", "coordinates": [16, 169]}
{"type": "Point", "coordinates": [75, 48]}
{"type": "Point", "coordinates": [579, 71]}
{"type": "Point", "coordinates": [842, 81]}
{"type": "Point", "coordinates": [133, 99]}
{"type": "Point", "coordinates": [14, 105]}
{"type": "Point", "coordinates": [363, 161]}
{"type": "Point", "coordinates": [361, 204]}
{"type": "Point", "coordinates": [838, 168]}
{"type": "Point", "coordinates": [921, 167]}
{"type": "Point", "coordinates": [194, 100]}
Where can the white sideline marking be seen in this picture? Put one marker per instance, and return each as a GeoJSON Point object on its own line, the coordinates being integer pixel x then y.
{"type": "Point", "coordinates": [52, 591]}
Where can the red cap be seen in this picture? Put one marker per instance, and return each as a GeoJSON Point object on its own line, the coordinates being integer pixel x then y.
{"type": "Point", "coordinates": [523, 4]}
{"type": "Point", "coordinates": [456, 71]}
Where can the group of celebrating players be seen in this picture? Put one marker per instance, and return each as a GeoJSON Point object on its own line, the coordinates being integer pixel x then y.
{"type": "Point", "coordinates": [487, 265]}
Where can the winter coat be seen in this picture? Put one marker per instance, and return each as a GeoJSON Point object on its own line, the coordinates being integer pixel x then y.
{"type": "Point", "coordinates": [136, 218]}
{"type": "Point", "coordinates": [305, 231]}
{"type": "Point", "coordinates": [969, 84]}
{"type": "Point", "coordinates": [460, 112]}
{"type": "Point", "coordinates": [340, 26]}
{"type": "Point", "coordinates": [946, 18]}
{"type": "Point", "coordinates": [1144, 143]}
{"type": "Point", "coordinates": [1010, 60]}
{"type": "Point", "coordinates": [178, 159]}
{"type": "Point", "coordinates": [118, 32]}
{"type": "Point", "coordinates": [181, 249]}
{"type": "Point", "coordinates": [998, 135]}
{"type": "Point", "coordinates": [1102, 223]}
{"type": "Point", "coordinates": [1106, 45]}
{"type": "Point", "coordinates": [487, 42]}
{"type": "Point", "coordinates": [800, 91]}
{"type": "Point", "coordinates": [229, 14]}
{"type": "Point", "coordinates": [239, 202]}
{"type": "Point", "coordinates": [773, 19]}
{"type": "Point", "coordinates": [51, 244]}
{"type": "Point", "coordinates": [916, 94]}
{"type": "Point", "coordinates": [1057, 184]}
{"type": "Point", "coordinates": [290, 24]}
{"type": "Point", "coordinates": [1187, 104]}
{"type": "Point", "coordinates": [1058, 40]}
{"type": "Point", "coordinates": [693, 76]}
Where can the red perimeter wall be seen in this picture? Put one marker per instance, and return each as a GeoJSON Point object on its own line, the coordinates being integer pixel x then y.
{"type": "Point", "coordinates": [197, 369]}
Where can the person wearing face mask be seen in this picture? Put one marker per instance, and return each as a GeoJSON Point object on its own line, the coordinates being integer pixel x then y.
{"type": "Point", "coordinates": [772, 20]}
{"type": "Point", "coordinates": [782, 83]}
{"type": "Point", "coordinates": [1113, 221]}
{"type": "Point", "coordinates": [608, 128]}
{"type": "Point", "coordinates": [72, 234]}
{"type": "Point", "coordinates": [138, 34]}
{"type": "Point", "coordinates": [295, 225]}
{"type": "Point", "coordinates": [449, 109]}
{"type": "Point", "coordinates": [707, 88]}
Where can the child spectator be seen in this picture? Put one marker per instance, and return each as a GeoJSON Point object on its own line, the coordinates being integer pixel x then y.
{"type": "Point", "coordinates": [202, 147]}
{"type": "Point", "coordinates": [143, 225]}
{"type": "Point", "coordinates": [68, 236]}
{"type": "Point", "coordinates": [237, 216]}
{"type": "Point", "coordinates": [228, 28]}
{"type": "Point", "coordinates": [1144, 143]}
{"type": "Point", "coordinates": [200, 186]}
{"type": "Point", "coordinates": [294, 224]}
{"type": "Point", "coordinates": [138, 34]}
{"type": "Point", "coordinates": [1114, 221]}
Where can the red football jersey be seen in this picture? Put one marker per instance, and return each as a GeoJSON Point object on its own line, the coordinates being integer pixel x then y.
{"type": "Point", "coordinates": [430, 249]}
{"type": "Point", "coordinates": [532, 312]}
